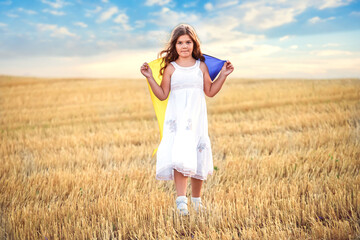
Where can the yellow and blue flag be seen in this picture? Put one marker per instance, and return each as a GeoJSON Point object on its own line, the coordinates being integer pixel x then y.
{"type": "Point", "coordinates": [214, 65]}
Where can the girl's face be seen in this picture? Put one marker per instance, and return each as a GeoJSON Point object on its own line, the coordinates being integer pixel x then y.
{"type": "Point", "coordinates": [184, 46]}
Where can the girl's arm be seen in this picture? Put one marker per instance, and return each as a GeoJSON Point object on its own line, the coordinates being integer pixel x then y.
{"type": "Point", "coordinates": [162, 91]}
{"type": "Point", "coordinates": [212, 88]}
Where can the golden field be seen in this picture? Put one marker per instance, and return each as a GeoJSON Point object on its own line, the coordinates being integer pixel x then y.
{"type": "Point", "coordinates": [76, 161]}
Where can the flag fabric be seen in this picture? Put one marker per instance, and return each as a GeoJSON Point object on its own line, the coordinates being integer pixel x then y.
{"type": "Point", "coordinates": [159, 106]}
{"type": "Point", "coordinates": [214, 66]}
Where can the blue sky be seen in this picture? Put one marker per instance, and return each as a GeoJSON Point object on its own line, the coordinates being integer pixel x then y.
{"type": "Point", "coordinates": [108, 38]}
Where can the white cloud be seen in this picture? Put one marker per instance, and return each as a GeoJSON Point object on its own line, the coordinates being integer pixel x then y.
{"type": "Point", "coordinates": [140, 24]}
{"type": "Point", "coordinates": [220, 4]}
{"type": "Point", "coordinates": [12, 15]}
{"type": "Point", "coordinates": [158, 36]}
{"type": "Point", "coordinates": [262, 16]}
{"type": "Point", "coordinates": [108, 14]}
{"type": "Point", "coordinates": [227, 4]}
{"type": "Point", "coordinates": [222, 29]}
{"type": "Point", "coordinates": [54, 12]}
{"type": "Point", "coordinates": [330, 18]}
{"type": "Point", "coordinates": [89, 13]}
{"type": "Point", "coordinates": [222, 34]}
{"type": "Point", "coordinates": [355, 13]}
{"type": "Point", "coordinates": [208, 6]}
{"type": "Point", "coordinates": [317, 19]}
{"type": "Point", "coordinates": [30, 12]}
{"type": "Point", "coordinates": [80, 24]}
{"type": "Point", "coordinates": [56, 31]}
{"type": "Point", "coordinates": [123, 19]}
{"type": "Point", "coordinates": [258, 14]}
{"type": "Point", "coordinates": [3, 25]}
{"type": "Point", "coordinates": [56, 4]}
{"type": "Point", "coordinates": [304, 4]}
{"type": "Point", "coordinates": [157, 2]}
{"type": "Point", "coordinates": [107, 44]}
{"type": "Point", "coordinates": [45, 27]}
{"type": "Point", "coordinates": [92, 35]}
{"type": "Point", "coordinates": [314, 20]}
{"type": "Point", "coordinates": [284, 38]}
{"type": "Point", "coordinates": [258, 50]}
{"type": "Point", "coordinates": [169, 18]}
{"type": "Point", "coordinates": [105, 1]}
{"type": "Point", "coordinates": [219, 37]}
{"type": "Point", "coordinates": [334, 3]}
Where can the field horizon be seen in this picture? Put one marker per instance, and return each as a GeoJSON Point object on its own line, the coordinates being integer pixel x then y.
{"type": "Point", "coordinates": [18, 77]}
{"type": "Point", "coordinates": [76, 161]}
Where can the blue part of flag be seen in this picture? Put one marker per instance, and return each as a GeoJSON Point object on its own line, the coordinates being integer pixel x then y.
{"type": "Point", "coordinates": [214, 65]}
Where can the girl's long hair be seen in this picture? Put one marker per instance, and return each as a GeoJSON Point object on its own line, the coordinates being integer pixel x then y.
{"type": "Point", "coordinates": [170, 50]}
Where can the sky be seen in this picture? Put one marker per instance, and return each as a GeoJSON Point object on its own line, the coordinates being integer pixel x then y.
{"type": "Point", "coordinates": [107, 38]}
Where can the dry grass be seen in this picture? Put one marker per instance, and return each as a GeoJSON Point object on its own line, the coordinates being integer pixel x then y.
{"type": "Point", "coordinates": [75, 161]}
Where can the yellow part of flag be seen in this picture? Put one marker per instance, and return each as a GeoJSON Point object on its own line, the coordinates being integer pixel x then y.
{"type": "Point", "coordinates": [159, 106]}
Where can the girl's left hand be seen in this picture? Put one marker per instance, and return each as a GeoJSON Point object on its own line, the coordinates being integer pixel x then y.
{"type": "Point", "coordinates": [227, 68]}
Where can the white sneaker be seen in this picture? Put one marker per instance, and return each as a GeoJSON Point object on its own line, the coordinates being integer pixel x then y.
{"type": "Point", "coordinates": [181, 203]}
{"type": "Point", "coordinates": [197, 205]}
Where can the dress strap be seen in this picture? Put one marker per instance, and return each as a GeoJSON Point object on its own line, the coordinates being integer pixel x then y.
{"type": "Point", "coordinates": [197, 63]}
{"type": "Point", "coordinates": [174, 64]}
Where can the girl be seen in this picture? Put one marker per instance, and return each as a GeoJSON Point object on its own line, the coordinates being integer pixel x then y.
{"type": "Point", "coordinates": [185, 148]}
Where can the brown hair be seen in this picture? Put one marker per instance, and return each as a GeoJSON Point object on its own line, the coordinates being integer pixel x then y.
{"type": "Point", "coordinates": [170, 50]}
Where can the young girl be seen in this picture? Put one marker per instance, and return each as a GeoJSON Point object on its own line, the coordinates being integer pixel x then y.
{"type": "Point", "coordinates": [185, 148]}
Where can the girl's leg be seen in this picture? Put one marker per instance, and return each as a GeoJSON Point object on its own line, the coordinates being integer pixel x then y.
{"type": "Point", "coordinates": [180, 183]}
{"type": "Point", "coordinates": [196, 187]}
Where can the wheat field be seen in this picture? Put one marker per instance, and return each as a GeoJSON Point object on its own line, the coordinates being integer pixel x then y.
{"type": "Point", "coordinates": [76, 161]}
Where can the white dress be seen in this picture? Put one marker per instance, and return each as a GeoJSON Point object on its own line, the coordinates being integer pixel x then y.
{"type": "Point", "coordinates": [185, 145]}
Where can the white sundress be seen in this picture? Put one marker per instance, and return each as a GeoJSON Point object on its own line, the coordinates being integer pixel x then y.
{"type": "Point", "coordinates": [185, 145]}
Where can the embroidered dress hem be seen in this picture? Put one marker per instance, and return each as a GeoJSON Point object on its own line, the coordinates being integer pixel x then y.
{"type": "Point", "coordinates": [185, 172]}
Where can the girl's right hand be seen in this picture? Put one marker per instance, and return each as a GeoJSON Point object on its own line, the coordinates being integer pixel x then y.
{"type": "Point", "coordinates": [146, 70]}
